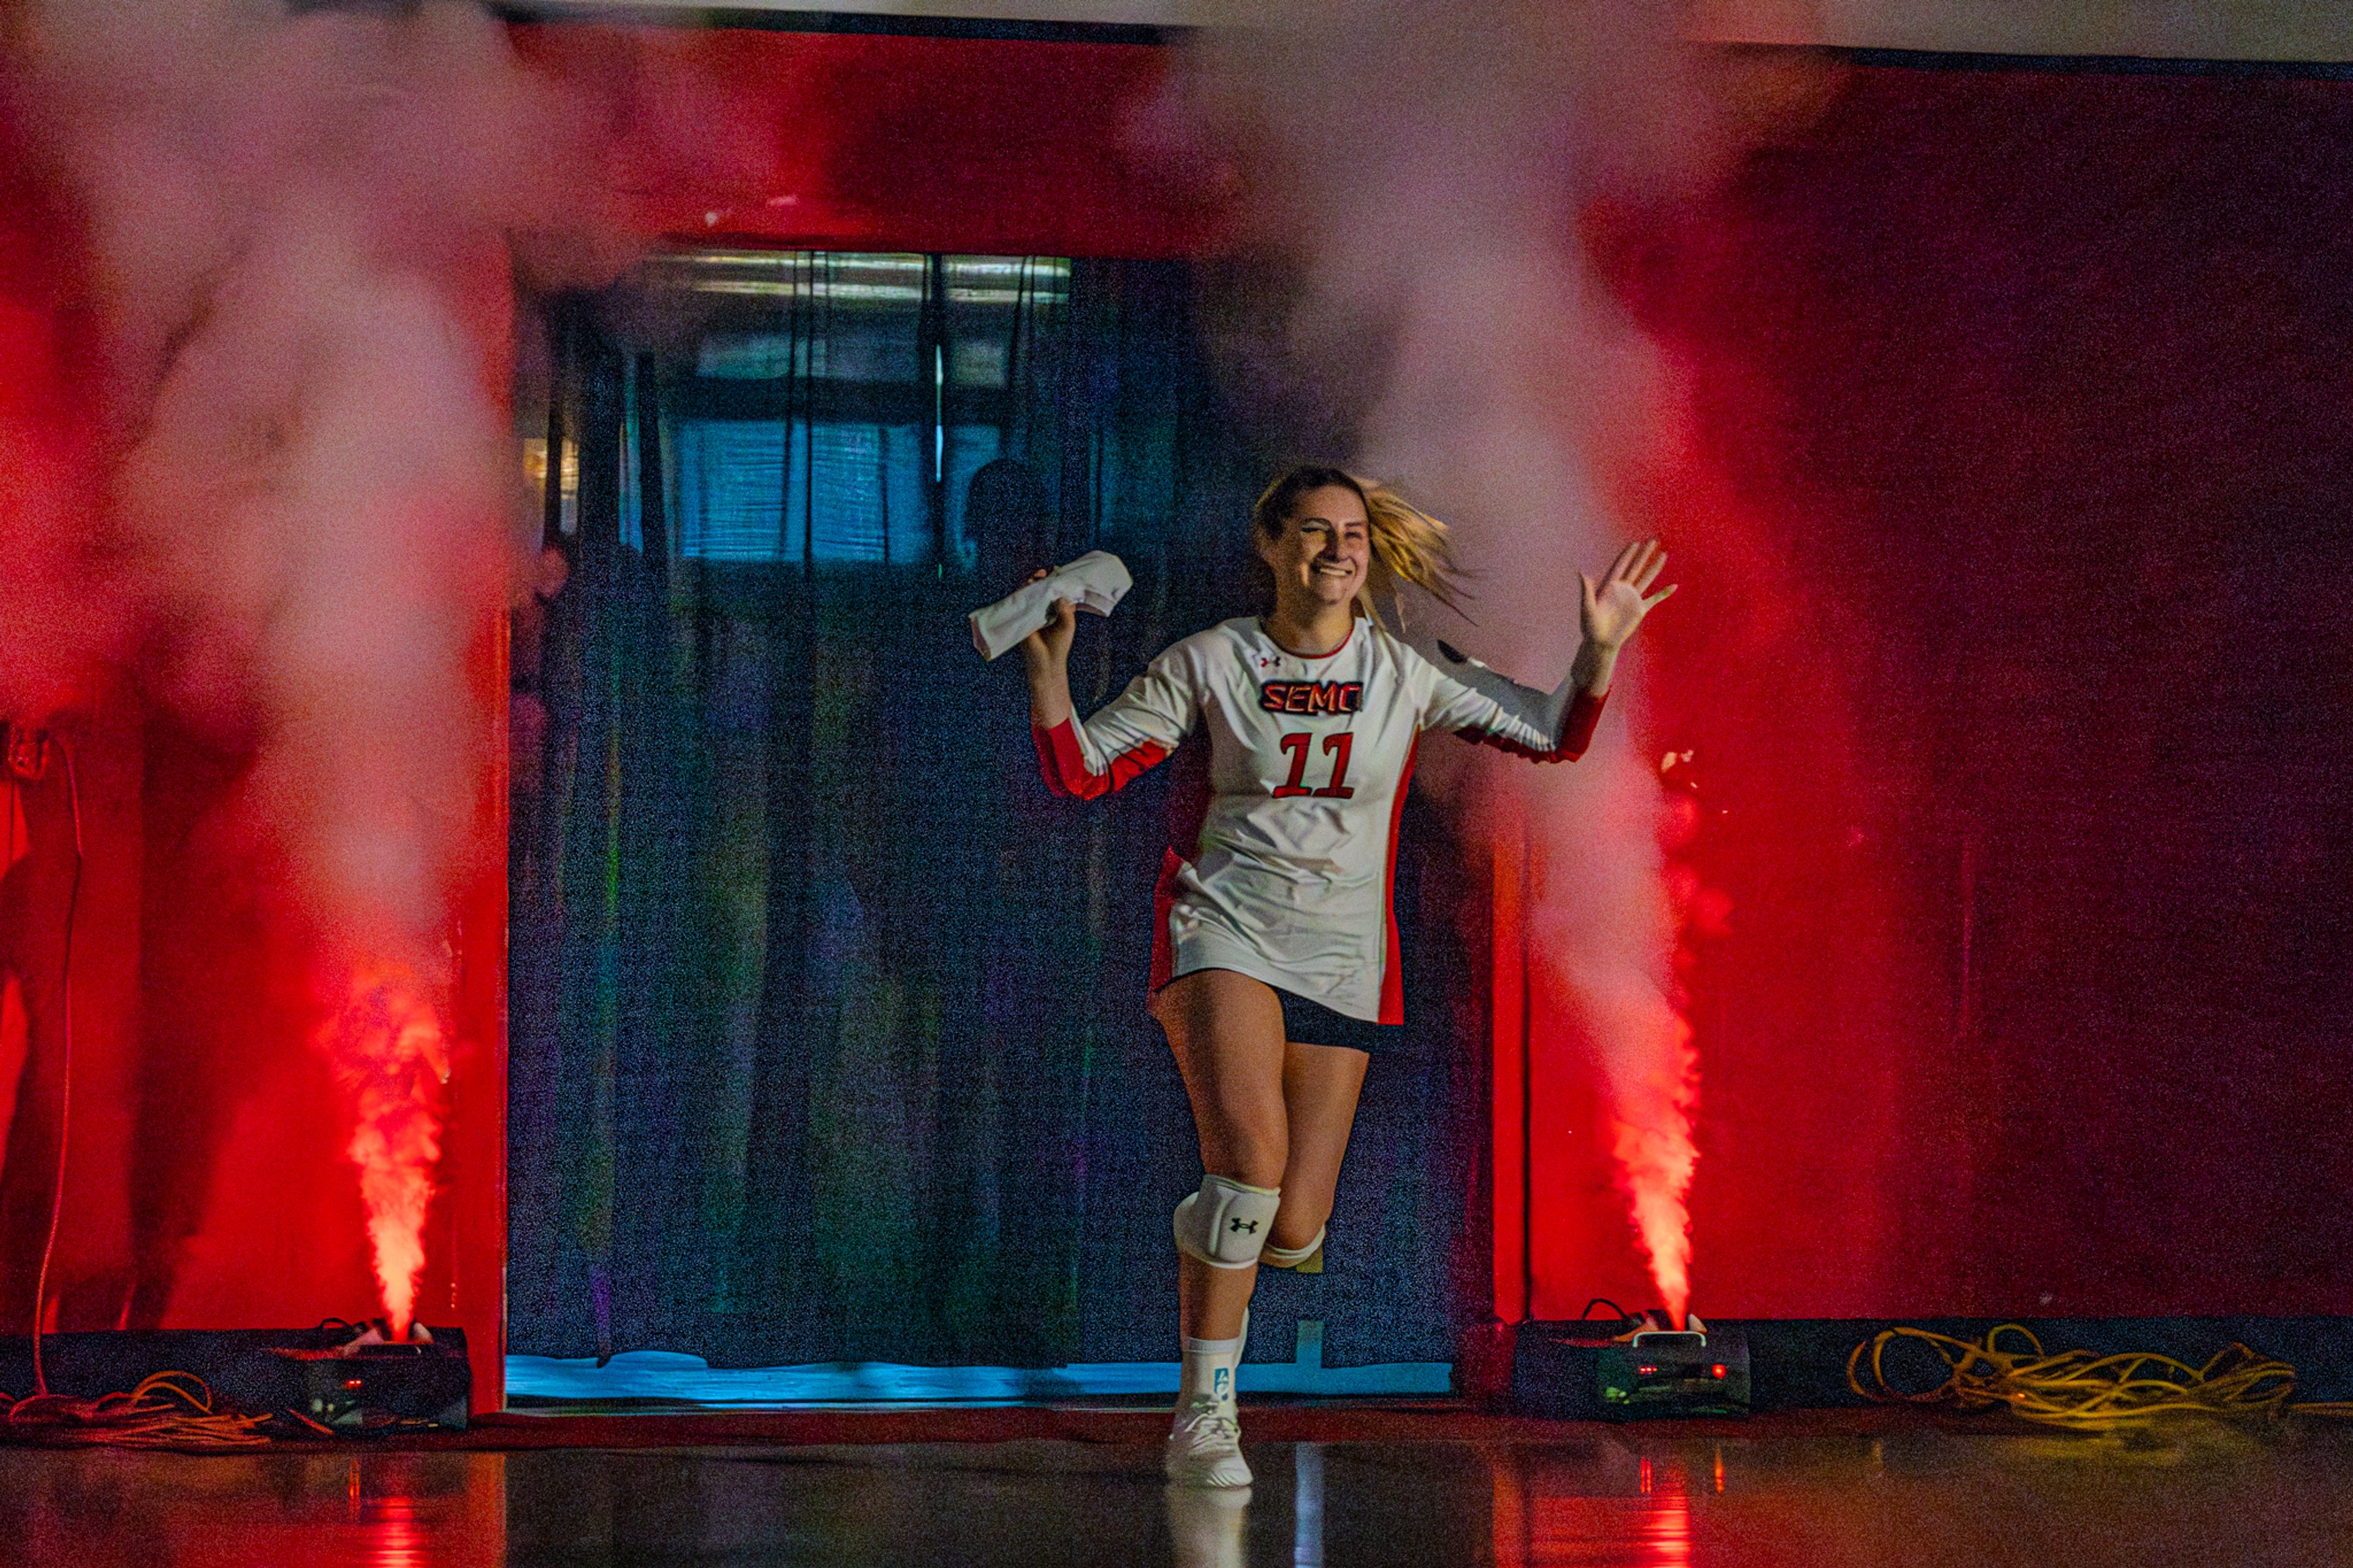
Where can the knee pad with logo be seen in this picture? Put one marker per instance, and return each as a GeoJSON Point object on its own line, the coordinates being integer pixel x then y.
{"type": "Point", "coordinates": [1225, 1224]}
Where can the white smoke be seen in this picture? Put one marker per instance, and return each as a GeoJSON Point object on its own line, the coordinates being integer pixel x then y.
{"type": "Point", "coordinates": [1426, 163]}
{"type": "Point", "coordinates": [302, 228]}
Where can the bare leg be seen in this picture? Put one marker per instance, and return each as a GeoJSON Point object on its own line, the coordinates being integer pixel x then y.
{"type": "Point", "coordinates": [1227, 1032]}
{"type": "Point", "coordinates": [1320, 1084]}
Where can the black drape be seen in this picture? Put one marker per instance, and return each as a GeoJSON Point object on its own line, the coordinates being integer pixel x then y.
{"type": "Point", "coordinates": [827, 1034]}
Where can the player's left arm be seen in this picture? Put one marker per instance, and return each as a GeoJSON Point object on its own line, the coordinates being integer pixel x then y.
{"type": "Point", "coordinates": [1482, 704]}
{"type": "Point", "coordinates": [1609, 612]}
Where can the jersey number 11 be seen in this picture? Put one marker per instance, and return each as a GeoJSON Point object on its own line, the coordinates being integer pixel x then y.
{"type": "Point", "coordinates": [1335, 747]}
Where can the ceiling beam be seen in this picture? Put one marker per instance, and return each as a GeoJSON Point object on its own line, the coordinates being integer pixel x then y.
{"type": "Point", "coordinates": [2280, 30]}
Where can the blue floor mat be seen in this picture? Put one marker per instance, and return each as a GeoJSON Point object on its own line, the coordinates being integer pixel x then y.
{"type": "Point", "coordinates": [672, 1378]}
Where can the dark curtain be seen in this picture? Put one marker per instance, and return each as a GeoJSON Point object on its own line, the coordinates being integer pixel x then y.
{"type": "Point", "coordinates": [829, 1039]}
{"type": "Point", "coordinates": [2017, 551]}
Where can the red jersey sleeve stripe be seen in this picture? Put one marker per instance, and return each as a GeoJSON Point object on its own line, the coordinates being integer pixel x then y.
{"type": "Point", "coordinates": [1576, 733]}
{"type": "Point", "coordinates": [1577, 728]}
{"type": "Point", "coordinates": [1064, 765]}
{"type": "Point", "coordinates": [1392, 956]}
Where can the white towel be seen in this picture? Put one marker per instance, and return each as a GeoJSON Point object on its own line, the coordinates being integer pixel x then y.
{"type": "Point", "coordinates": [1095, 583]}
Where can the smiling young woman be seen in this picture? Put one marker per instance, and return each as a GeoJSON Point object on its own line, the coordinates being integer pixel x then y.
{"type": "Point", "coordinates": [1274, 969]}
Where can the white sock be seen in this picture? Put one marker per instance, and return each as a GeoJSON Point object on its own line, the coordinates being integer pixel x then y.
{"type": "Point", "coordinates": [1208, 1370]}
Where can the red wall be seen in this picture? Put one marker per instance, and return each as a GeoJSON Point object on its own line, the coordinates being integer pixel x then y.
{"type": "Point", "coordinates": [2011, 515]}
{"type": "Point", "coordinates": [2009, 508]}
{"type": "Point", "coordinates": [206, 1180]}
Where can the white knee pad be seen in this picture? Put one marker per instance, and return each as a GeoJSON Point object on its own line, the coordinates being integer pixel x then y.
{"type": "Point", "coordinates": [1225, 1224]}
{"type": "Point", "coordinates": [1294, 1257]}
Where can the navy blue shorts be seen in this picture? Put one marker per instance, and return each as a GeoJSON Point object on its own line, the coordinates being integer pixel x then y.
{"type": "Point", "coordinates": [1306, 1023]}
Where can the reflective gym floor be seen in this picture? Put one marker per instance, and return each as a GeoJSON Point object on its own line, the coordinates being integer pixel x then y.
{"type": "Point", "coordinates": [1783, 1490]}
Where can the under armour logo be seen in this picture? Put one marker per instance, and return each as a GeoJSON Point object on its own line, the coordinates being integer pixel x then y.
{"type": "Point", "coordinates": [1241, 1225]}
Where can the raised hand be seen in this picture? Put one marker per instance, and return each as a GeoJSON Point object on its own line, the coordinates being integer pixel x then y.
{"type": "Point", "coordinates": [1614, 607]}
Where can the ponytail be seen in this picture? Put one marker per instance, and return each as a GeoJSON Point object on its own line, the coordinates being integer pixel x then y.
{"type": "Point", "coordinates": [1409, 545]}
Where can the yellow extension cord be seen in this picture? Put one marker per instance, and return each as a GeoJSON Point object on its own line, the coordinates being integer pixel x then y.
{"type": "Point", "coordinates": [2081, 1391]}
{"type": "Point", "coordinates": [167, 1410]}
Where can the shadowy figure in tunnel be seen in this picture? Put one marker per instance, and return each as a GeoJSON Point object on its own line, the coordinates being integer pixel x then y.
{"type": "Point", "coordinates": [1007, 513]}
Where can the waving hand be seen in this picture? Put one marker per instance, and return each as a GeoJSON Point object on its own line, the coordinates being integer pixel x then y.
{"type": "Point", "coordinates": [1614, 607]}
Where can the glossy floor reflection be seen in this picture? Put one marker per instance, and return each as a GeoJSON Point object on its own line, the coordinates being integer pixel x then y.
{"type": "Point", "coordinates": [1593, 1499]}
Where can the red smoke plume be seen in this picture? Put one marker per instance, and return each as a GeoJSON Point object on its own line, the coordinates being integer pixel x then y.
{"type": "Point", "coordinates": [391, 1056]}
{"type": "Point", "coordinates": [303, 230]}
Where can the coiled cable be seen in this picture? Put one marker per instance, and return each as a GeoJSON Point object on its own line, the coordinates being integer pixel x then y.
{"type": "Point", "coordinates": [2078, 1389]}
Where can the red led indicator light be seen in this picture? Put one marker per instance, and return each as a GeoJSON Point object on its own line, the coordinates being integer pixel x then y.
{"type": "Point", "coordinates": [351, 1382]}
{"type": "Point", "coordinates": [1717, 1371]}
{"type": "Point", "coordinates": [1646, 1371]}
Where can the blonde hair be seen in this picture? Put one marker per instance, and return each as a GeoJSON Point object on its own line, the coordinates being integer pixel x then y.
{"type": "Point", "coordinates": [1409, 545]}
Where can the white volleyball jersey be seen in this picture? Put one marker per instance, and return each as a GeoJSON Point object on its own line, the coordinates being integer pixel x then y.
{"type": "Point", "coordinates": [1282, 857]}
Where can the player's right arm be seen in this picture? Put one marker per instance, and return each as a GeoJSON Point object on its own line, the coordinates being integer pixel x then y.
{"type": "Point", "coordinates": [1128, 734]}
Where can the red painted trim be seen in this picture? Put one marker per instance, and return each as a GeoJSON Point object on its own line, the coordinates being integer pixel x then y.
{"type": "Point", "coordinates": [473, 1175]}
{"type": "Point", "coordinates": [744, 137]}
{"type": "Point", "coordinates": [1064, 765]}
{"type": "Point", "coordinates": [1330, 1421]}
{"type": "Point", "coordinates": [1507, 999]}
{"type": "Point", "coordinates": [1392, 971]}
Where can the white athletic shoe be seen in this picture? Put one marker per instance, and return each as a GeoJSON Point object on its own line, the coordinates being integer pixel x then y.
{"type": "Point", "coordinates": [1209, 1527]}
{"type": "Point", "coordinates": [1206, 1447]}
